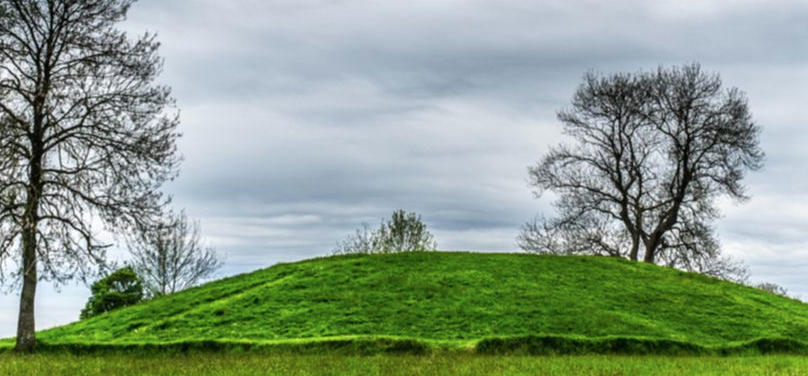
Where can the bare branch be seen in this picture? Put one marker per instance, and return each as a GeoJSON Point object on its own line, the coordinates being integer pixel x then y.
{"type": "Point", "coordinates": [652, 152]}
{"type": "Point", "coordinates": [87, 137]}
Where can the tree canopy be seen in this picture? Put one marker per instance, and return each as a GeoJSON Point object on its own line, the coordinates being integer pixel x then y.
{"type": "Point", "coordinates": [403, 232]}
{"type": "Point", "coordinates": [171, 257]}
{"type": "Point", "coordinates": [87, 139]}
{"type": "Point", "coordinates": [652, 152]}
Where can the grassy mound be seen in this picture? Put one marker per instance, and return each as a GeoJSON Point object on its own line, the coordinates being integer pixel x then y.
{"type": "Point", "coordinates": [491, 303]}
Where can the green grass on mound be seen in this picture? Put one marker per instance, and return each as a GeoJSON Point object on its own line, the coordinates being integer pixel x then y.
{"type": "Point", "coordinates": [490, 303]}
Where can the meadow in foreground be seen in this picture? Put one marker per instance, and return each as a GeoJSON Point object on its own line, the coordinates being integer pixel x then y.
{"type": "Point", "coordinates": [452, 364]}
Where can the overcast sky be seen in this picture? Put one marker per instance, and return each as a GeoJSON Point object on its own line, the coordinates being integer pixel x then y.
{"type": "Point", "coordinates": [304, 118]}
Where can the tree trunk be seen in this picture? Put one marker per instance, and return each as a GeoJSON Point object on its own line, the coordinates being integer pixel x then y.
{"type": "Point", "coordinates": [26, 328]}
{"type": "Point", "coordinates": [650, 254]}
{"type": "Point", "coordinates": [635, 247]}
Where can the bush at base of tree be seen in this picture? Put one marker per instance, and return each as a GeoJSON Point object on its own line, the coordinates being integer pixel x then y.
{"type": "Point", "coordinates": [120, 289]}
{"type": "Point", "coordinates": [404, 232]}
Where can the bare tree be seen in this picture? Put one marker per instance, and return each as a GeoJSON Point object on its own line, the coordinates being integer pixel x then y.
{"type": "Point", "coordinates": [404, 232]}
{"type": "Point", "coordinates": [652, 152]}
{"type": "Point", "coordinates": [86, 138]}
{"type": "Point", "coordinates": [772, 288]}
{"type": "Point", "coordinates": [170, 257]}
{"type": "Point", "coordinates": [363, 241]}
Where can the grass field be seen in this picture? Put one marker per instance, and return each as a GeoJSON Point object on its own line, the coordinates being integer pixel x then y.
{"type": "Point", "coordinates": [437, 314]}
{"type": "Point", "coordinates": [496, 303]}
{"type": "Point", "coordinates": [255, 364]}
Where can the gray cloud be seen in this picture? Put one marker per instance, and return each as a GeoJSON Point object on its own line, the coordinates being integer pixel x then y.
{"type": "Point", "coordinates": [305, 118]}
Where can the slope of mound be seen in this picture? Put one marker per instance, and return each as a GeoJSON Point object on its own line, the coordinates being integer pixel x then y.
{"type": "Point", "coordinates": [457, 298]}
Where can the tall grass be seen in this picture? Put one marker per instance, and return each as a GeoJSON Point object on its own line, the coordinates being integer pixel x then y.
{"type": "Point", "coordinates": [391, 365]}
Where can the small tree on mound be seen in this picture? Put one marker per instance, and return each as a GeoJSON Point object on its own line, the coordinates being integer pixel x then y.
{"type": "Point", "coordinates": [120, 289]}
{"type": "Point", "coordinates": [404, 232]}
{"type": "Point", "coordinates": [772, 288]}
{"type": "Point", "coordinates": [171, 256]}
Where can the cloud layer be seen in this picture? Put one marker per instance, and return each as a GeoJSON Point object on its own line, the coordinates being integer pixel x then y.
{"type": "Point", "coordinates": [304, 118]}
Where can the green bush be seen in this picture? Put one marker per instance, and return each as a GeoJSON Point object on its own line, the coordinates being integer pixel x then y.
{"type": "Point", "coordinates": [120, 289]}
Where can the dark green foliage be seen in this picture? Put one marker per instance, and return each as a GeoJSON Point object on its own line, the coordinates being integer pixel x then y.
{"type": "Point", "coordinates": [344, 346]}
{"type": "Point", "coordinates": [531, 345]}
{"type": "Point", "coordinates": [560, 345]}
{"type": "Point", "coordinates": [120, 289]}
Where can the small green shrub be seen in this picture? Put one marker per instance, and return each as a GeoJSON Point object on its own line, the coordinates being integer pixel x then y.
{"type": "Point", "coordinates": [120, 289]}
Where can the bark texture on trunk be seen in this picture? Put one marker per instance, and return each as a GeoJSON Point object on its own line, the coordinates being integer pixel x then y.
{"type": "Point", "coordinates": [26, 327]}
{"type": "Point", "coordinates": [635, 247]}
{"type": "Point", "coordinates": [650, 255]}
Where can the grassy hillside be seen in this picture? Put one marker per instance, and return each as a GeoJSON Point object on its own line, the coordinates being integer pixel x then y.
{"type": "Point", "coordinates": [455, 299]}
